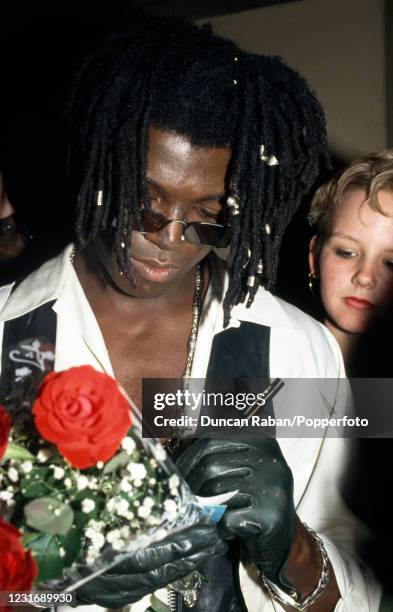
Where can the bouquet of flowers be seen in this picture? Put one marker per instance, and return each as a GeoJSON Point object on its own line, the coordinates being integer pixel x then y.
{"type": "Point", "coordinates": [79, 486]}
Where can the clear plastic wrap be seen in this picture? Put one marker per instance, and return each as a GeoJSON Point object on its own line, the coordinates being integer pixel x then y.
{"type": "Point", "coordinates": [79, 521]}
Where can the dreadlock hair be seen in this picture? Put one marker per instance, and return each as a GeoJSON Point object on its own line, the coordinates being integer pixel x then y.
{"type": "Point", "coordinates": [180, 77]}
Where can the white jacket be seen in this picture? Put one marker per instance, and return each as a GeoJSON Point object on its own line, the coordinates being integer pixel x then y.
{"type": "Point", "coordinates": [299, 348]}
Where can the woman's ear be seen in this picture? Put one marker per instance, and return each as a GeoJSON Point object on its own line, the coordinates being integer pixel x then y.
{"type": "Point", "coordinates": [313, 257]}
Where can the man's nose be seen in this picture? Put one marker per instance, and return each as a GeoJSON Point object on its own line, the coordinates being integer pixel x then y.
{"type": "Point", "coordinates": [364, 275]}
{"type": "Point", "coordinates": [169, 237]}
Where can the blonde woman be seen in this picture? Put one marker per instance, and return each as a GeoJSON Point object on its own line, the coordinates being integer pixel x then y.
{"type": "Point", "coordinates": [351, 270]}
{"type": "Point", "coordinates": [351, 259]}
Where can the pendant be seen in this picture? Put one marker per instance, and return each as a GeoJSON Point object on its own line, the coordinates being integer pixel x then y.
{"type": "Point", "coordinates": [189, 588]}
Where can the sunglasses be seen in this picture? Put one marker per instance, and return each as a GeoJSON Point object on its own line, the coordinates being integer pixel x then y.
{"type": "Point", "coordinates": [196, 232]}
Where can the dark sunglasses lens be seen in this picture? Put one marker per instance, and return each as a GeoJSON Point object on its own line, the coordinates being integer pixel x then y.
{"type": "Point", "coordinates": [152, 222]}
{"type": "Point", "coordinates": [208, 234]}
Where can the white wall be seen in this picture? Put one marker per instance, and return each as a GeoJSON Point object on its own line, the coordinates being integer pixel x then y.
{"type": "Point", "coordinates": [338, 45]}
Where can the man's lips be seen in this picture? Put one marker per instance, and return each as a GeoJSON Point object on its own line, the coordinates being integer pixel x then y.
{"type": "Point", "coordinates": [154, 270]}
{"type": "Point", "coordinates": [358, 303]}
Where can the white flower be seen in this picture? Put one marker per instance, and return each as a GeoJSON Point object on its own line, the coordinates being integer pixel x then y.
{"type": "Point", "coordinates": [43, 455]}
{"type": "Point", "coordinates": [118, 544]}
{"type": "Point", "coordinates": [26, 467]}
{"type": "Point", "coordinates": [125, 485]}
{"type": "Point", "coordinates": [6, 495]}
{"type": "Point", "coordinates": [122, 507]}
{"type": "Point", "coordinates": [137, 483]}
{"type": "Point", "coordinates": [13, 474]}
{"type": "Point", "coordinates": [153, 520]}
{"type": "Point", "coordinates": [58, 472]}
{"type": "Point", "coordinates": [96, 538]}
{"type": "Point", "coordinates": [130, 515]}
{"type": "Point", "coordinates": [159, 452]}
{"type": "Point", "coordinates": [68, 483]}
{"type": "Point", "coordinates": [143, 512]}
{"type": "Point", "coordinates": [128, 445]}
{"type": "Point", "coordinates": [170, 509]}
{"type": "Point", "coordinates": [62, 552]}
{"type": "Point", "coordinates": [174, 481]}
{"type": "Point", "coordinates": [114, 538]}
{"type": "Point", "coordinates": [152, 482]}
{"type": "Point", "coordinates": [82, 482]}
{"type": "Point", "coordinates": [97, 525]}
{"type": "Point", "coordinates": [125, 531]}
{"type": "Point", "coordinates": [137, 471]}
{"type": "Point", "coordinates": [88, 505]}
{"type": "Point", "coordinates": [100, 465]}
{"type": "Point", "coordinates": [153, 463]}
{"type": "Point", "coordinates": [148, 502]}
{"type": "Point", "coordinates": [113, 535]}
{"type": "Point", "coordinates": [93, 484]}
{"type": "Point", "coordinates": [92, 554]}
{"type": "Point", "coordinates": [110, 505]}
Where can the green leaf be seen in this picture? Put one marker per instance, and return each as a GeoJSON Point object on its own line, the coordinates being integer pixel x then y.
{"type": "Point", "coordinates": [81, 519]}
{"type": "Point", "coordinates": [49, 515]}
{"type": "Point", "coordinates": [117, 461]}
{"type": "Point", "coordinates": [71, 542]}
{"type": "Point", "coordinates": [15, 451]}
{"type": "Point", "coordinates": [32, 490]}
{"type": "Point", "coordinates": [46, 551]}
{"type": "Point", "coordinates": [29, 536]}
{"type": "Point", "coordinates": [33, 484]}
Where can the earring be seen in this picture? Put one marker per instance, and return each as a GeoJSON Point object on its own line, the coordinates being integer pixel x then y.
{"type": "Point", "coordinates": [311, 278]}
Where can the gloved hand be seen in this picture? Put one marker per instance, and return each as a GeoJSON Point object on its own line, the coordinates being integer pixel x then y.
{"type": "Point", "coordinates": [262, 513]}
{"type": "Point", "coordinates": [153, 567]}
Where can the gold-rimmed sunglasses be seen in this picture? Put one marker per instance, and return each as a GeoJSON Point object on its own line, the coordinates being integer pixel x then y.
{"type": "Point", "coordinates": [195, 232]}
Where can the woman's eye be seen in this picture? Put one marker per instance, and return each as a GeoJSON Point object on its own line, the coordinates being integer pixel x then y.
{"type": "Point", "coordinates": [389, 264]}
{"type": "Point", "coordinates": [345, 253]}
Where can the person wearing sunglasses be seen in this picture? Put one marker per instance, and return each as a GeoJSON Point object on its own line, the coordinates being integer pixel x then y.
{"type": "Point", "coordinates": [12, 243]}
{"type": "Point", "coordinates": [181, 144]}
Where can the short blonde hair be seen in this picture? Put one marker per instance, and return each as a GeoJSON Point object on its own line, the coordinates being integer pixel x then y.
{"type": "Point", "coordinates": [372, 173]}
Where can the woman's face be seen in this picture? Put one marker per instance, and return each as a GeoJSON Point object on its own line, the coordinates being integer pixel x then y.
{"type": "Point", "coordinates": [355, 263]}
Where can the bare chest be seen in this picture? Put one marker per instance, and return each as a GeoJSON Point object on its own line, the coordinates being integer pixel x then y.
{"type": "Point", "coordinates": [154, 351]}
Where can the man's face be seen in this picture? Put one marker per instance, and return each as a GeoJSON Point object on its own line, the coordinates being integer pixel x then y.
{"type": "Point", "coordinates": [186, 183]}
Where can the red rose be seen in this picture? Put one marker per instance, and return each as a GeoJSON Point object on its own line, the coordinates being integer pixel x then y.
{"type": "Point", "coordinates": [5, 428]}
{"type": "Point", "coordinates": [18, 569]}
{"type": "Point", "coordinates": [83, 413]}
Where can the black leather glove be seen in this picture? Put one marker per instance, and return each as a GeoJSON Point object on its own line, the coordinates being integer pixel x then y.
{"type": "Point", "coordinates": [262, 513]}
{"type": "Point", "coordinates": [153, 567]}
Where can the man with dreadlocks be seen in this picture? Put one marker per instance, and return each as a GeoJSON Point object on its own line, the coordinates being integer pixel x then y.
{"type": "Point", "coordinates": [180, 142]}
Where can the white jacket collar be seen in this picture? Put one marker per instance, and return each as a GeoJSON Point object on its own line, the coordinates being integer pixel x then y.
{"type": "Point", "coordinates": [43, 285]}
{"type": "Point", "coordinates": [48, 282]}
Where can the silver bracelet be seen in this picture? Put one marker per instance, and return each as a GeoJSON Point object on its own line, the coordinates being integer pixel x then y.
{"type": "Point", "coordinates": [306, 604]}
